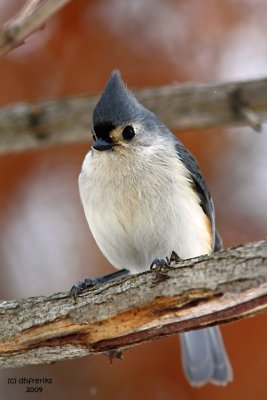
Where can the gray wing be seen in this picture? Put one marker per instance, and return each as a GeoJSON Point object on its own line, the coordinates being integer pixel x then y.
{"type": "Point", "coordinates": [200, 187]}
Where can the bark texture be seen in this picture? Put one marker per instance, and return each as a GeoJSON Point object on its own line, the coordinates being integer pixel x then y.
{"type": "Point", "coordinates": [204, 291]}
{"type": "Point", "coordinates": [182, 107]}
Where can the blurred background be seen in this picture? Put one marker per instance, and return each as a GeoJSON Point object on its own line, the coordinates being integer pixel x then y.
{"type": "Point", "coordinates": [45, 244]}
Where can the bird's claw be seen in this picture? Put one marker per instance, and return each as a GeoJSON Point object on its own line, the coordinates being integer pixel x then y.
{"type": "Point", "coordinates": [162, 264]}
{"type": "Point", "coordinates": [174, 257]}
{"type": "Point", "coordinates": [81, 286]}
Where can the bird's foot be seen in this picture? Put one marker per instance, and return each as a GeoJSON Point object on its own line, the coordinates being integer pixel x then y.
{"type": "Point", "coordinates": [174, 258]}
{"type": "Point", "coordinates": [164, 264]}
{"type": "Point", "coordinates": [81, 286]}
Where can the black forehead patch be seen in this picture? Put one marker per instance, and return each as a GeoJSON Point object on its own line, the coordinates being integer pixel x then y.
{"type": "Point", "coordinates": [103, 129]}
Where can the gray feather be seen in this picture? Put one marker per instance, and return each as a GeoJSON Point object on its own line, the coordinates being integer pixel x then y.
{"type": "Point", "coordinates": [117, 104]}
{"type": "Point", "coordinates": [218, 245]}
{"type": "Point", "coordinates": [204, 357]}
{"type": "Point", "coordinates": [198, 183]}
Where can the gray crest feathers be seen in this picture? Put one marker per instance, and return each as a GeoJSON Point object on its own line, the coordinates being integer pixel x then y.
{"type": "Point", "coordinates": [117, 104]}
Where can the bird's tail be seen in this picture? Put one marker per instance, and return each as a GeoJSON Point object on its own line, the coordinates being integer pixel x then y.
{"type": "Point", "coordinates": [204, 357]}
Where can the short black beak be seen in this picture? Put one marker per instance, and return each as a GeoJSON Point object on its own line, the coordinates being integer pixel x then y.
{"type": "Point", "coordinates": [102, 145]}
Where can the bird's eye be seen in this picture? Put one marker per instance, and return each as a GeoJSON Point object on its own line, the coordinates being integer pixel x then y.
{"type": "Point", "coordinates": [128, 132]}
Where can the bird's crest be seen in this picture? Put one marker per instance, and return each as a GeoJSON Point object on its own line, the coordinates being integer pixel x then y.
{"type": "Point", "coordinates": [117, 105]}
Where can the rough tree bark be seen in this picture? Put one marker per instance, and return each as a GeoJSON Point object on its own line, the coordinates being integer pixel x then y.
{"type": "Point", "coordinates": [223, 287]}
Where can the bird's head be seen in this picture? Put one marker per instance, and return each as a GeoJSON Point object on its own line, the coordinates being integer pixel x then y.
{"type": "Point", "coordinates": [120, 122]}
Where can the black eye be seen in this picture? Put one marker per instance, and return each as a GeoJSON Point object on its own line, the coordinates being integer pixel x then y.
{"type": "Point", "coordinates": [128, 132]}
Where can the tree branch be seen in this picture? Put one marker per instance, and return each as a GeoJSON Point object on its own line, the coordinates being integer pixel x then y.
{"type": "Point", "coordinates": [35, 125]}
{"type": "Point", "coordinates": [204, 291]}
{"type": "Point", "coordinates": [31, 17]}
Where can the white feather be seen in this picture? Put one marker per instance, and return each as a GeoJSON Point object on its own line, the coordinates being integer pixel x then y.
{"type": "Point", "coordinates": [140, 205]}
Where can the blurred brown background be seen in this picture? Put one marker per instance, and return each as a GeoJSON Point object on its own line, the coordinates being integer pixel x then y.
{"type": "Point", "coordinates": [45, 244]}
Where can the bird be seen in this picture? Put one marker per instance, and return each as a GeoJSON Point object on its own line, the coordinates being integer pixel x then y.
{"type": "Point", "coordinates": [144, 197]}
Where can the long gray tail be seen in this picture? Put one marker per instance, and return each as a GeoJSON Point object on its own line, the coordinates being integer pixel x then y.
{"type": "Point", "coordinates": [204, 357]}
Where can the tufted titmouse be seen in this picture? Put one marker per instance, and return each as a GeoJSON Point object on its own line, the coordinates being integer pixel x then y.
{"type": "Point", "coordinates": [144, 196]}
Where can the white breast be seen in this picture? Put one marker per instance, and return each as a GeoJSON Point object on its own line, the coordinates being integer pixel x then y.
{"type": "Point", "coordinates": [141, 207]}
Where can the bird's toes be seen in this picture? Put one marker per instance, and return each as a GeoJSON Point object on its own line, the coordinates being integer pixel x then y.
{"type": "Point", "coordinates": [174, 257]}
{"type": "Point", "coordinates": [164, 264]}
{"type": "Point", "coordinates": [81, 286]}
{"type": "Point", "coordinates": [160, 265]}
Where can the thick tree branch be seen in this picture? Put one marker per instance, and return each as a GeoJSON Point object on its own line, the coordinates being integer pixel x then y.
{"type": "Point", "coordinates": [31, 17]}
{"type": "Point", "coordinates": [223, 287]}
{"type": "Point", "coordinates": [196, 106]}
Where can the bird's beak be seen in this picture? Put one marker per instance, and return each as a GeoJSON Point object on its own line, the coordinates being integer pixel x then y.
{"type": "Point", "coordinates": [102, 145]}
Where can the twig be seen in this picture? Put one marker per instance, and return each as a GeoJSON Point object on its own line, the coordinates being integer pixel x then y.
{"type": "Point", "coordinates": [242, 108]}
{"type": "Point", "coordinates": [181, 107]}
{"type": "Point", "coordinates": [30, 18]}
{"type": "Point", "coordinates": [223, 287]}
{"type": "Point", "coordinates": [28, 8]}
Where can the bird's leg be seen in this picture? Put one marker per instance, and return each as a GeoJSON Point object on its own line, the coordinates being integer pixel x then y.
{"type": "Point", "coordinates": [79, 287]}
{"type": "Point", "coordinates": [162, 264]}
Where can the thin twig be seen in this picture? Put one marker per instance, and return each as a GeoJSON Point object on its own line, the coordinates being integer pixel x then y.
{"type": "Point", "coordinates": [242, 108]}
{"type": "Point", "coordinates": [29, 7]}
{"type": "Point", "coordinates": [32, 17]}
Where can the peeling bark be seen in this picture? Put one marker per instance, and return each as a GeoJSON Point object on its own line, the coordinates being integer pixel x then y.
{"type": "Point", "coordinates": [196, 293]}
